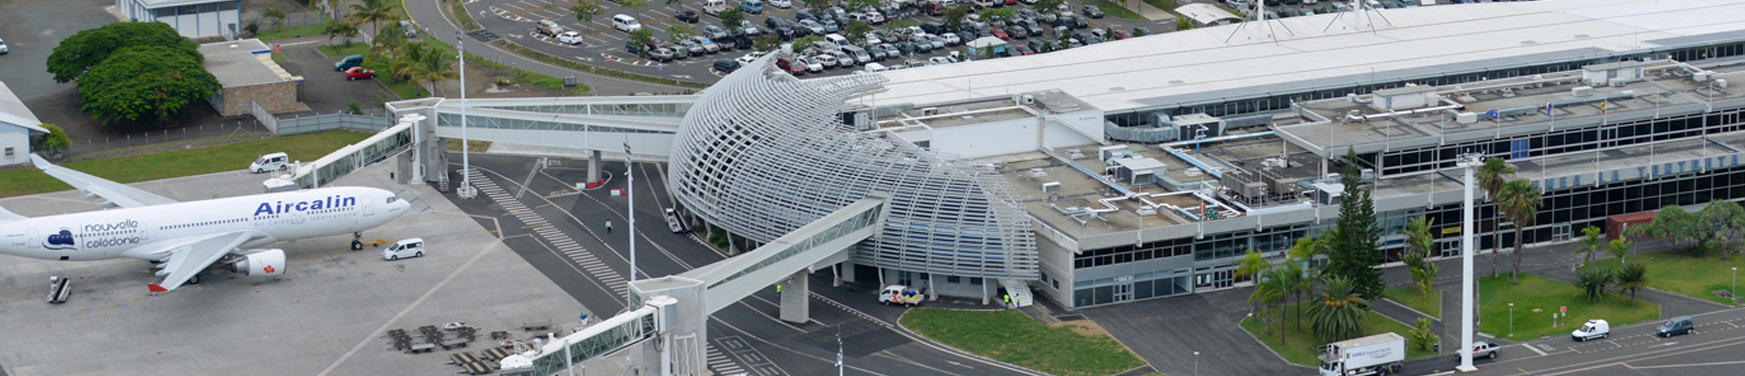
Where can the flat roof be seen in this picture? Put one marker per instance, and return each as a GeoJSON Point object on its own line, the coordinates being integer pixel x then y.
{"type": "Point", "coordinates": [1194, 65]}
{"type": "Point", "coordinates": [242, 62]}
{"type": "Point", "coordinates": [13, 111]}
{"type": "Point", "coordinates": [1520, 103]}
{"type": "Point", "coordinates": [1206, 13]}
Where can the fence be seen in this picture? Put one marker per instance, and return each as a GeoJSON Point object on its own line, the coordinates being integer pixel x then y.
{"type": "Point", "coordinates": [158, 141]}
{"type": "Point", "coordinates": [306, 124]}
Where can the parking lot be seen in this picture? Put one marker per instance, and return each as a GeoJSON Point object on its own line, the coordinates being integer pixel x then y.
{"type": "Point", "coordinates": [515, 20]}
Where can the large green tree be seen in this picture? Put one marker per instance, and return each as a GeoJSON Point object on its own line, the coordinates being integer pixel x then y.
{"type": "Point", "coordinates": [336, 28]}
{"type": "Point", "coordinates": [1721, 226]}
{"type": "Point", "coordinates": [56, 139]}
{"type": "Point", "coordinates": [954, 16]}
{"type": "Point", "coordinates": [1356, 251]}
{"type": "Point", "coordinates": [150, 82]}
{"type": "Point", "coordinates": [86, 49]}
{"type": "Point", "coordinates": [585, 10]}
{"type": "Point", "coordinates": [1491, 176]}
{"type": "Point", "coordinates": [436, 66]}
{"type": "Point", "coordinates": [1520, 203]}
{"type": "Point", "coordinates": [731, 18]}
{"type": "Point", "coordinates": [275, 17]}
{"type": "Point", "coordinates": [1337, 313]}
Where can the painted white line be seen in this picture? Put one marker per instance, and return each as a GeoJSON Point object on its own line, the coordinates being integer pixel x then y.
{"type": "Point", "coordinates": [384, 328]}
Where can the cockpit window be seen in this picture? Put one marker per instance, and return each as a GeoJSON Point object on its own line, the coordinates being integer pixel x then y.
{"type": "Point", "coordinates": [392, 199]}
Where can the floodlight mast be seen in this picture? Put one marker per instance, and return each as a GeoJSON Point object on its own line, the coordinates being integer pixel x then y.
{"type": "Point", "coordinates": [1468, 162]}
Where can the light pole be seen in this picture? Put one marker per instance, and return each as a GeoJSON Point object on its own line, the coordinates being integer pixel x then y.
{"type": "Point", "coordinates": [1467, 162]}
{"type": "Point", "coordinates": [1735, 283]}
{"type": "Point", "coordinates": [630, 190]}
{"type": "Point", "coordinates": [466, 180]}
{"type": "Point", "coordinates": [1511, 319]}
{"type": "Point", "coordinates": [1196, 363]}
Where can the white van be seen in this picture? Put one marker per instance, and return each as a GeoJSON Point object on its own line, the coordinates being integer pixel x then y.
{"type": "Point", "coordinates": [714, 6]}
{"type": "Point", "coordinates": [836, 39]}
{"type": "Point", "coordinates": [625, 23]}
{"type": "Point", "coordinates": [407, 248]}
{"type": "Point", "coordinates": [269, 162]}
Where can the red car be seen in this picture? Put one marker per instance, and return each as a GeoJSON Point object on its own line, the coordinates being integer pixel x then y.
{"type": "Point", "coordinates": [356, 73]}
{"type": "Point", "coordinates": [1011, 2]}
{"type": "Point", "coordinates": [999, 34]}
{"type": "Point", "coordinates": [793, 67]}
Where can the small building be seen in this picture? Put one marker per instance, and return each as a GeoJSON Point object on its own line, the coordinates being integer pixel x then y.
{"type": "Point", "coordinates": [17, 124]}
{"type": "Point", "coordinates": [1204, 14]}
{"type": "Point", "coordinates": [191, 18]}
{"type": "Point", "coordinates": [987, 47]}
{"type": "Point", "coordinates": [247, 73]}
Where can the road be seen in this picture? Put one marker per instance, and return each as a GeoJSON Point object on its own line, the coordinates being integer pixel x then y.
{"type": "Point", "coordinates": [561, 231]}
{"type": "Point", "coordinates": [1716, 347]}
{"type": "Point", "coordinates": [432, 16]}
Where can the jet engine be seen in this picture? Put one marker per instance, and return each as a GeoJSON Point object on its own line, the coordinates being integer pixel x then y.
{"type": "Point", "coordinates": [260, 262]}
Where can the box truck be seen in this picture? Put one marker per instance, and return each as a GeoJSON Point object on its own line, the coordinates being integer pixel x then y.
{"type": "Point", "coordinates": [1363, 356]}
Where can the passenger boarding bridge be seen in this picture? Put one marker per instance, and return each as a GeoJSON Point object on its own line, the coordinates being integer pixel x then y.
{"type": "Point", "coordinates": [394, 140]}
{"type": "Point", "coordinates": [676, 308]}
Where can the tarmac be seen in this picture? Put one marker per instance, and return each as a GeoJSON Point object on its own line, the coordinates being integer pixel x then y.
{"type": "Point", "coordinates": [326, 316]}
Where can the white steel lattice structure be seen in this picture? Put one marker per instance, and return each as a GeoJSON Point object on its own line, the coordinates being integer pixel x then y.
{"type": "Point", "coordinates": [761, 154]}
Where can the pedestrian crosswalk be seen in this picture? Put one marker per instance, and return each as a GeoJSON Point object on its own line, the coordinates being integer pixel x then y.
{"type": "Point", "coordinates": [564, 245]}
{"type": "Point", "coordinates": [721, 364]}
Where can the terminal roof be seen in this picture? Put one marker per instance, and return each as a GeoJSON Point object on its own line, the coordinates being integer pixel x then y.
{"type": "Point", "coordinates": [1197, 65]}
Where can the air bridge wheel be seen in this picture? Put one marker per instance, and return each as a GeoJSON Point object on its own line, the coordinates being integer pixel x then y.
{"type": "Point", "coordinates": [357, 245]}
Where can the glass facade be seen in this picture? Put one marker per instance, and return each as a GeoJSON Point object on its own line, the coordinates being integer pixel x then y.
{"type": "Point", "coordinates": [638, 329]}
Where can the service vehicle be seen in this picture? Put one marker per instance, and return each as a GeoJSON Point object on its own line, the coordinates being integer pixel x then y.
{"type": "Point", "coordinates": [714, 7]}
{"type": "Point", "coordinates": [269, 162]}
{"type": "Point", "coordinates": [1596, 328]}
{"type": "Point", "coordinates": [406, 248]}
{"type": "Point", "coordinates": [900, 294]}
{"type": "Point", "coordinates": [1363, 356]}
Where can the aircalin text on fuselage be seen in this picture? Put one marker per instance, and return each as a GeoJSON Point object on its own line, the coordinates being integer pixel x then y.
{"type": "Point", "coordinates": [281, 207]}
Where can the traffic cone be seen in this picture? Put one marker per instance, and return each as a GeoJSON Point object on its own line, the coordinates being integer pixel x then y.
{"type": "Point", "coordinates": [160, 351]}
{"type": "Point", "coordinates": [257, 289]}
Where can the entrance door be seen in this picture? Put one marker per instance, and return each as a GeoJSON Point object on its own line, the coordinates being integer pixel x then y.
{"type": "Point", "coordinates": [1124, 292]}
{"type": "Point", "coordinates": [1561, 232]}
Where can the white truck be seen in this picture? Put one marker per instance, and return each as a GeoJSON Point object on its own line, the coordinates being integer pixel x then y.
{"type": "Point", "coordinates": [1372, 355]}
{"type": "Point", "coordinates": [900, 294]}
{"type": "Point", "coordinates": [1595, 328]}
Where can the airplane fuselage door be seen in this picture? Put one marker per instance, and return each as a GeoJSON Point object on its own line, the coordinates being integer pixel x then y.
{"type": "Point", "coordinates": [34, 241]}
{"type": "Point", "coordinates": [369, 206]}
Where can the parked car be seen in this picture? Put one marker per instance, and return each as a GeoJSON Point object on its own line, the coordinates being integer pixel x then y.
{"type": "Point", "coordinates": [1023, 50]}
{"type": "Point", "coordinates": [804, 15]}
{"type": "Point", "coordinates": [1092, 12]}
{"type": "Point", "coordinates": [662, 54]}
{"type": "Point", "coordinates": [687, 16]}
{"type": "Point", "coordinates": [784, 4]}
{"type": "Point", "coordinates": [407, 248]}
{"type": "Point", "coordinates": [791, 66]}
{"type": "Point", "coordinates": [693, 48]}
{"type": "Point", "coordinates": [348, 62]}
{"type": "Point", "coordinates": [1000, 33]}
{"type": "Point", "coordinates": [812, 27]}
{"type": "Point", "coordinates": [726, 65]}
{"type": "Point", "coordinates": [828, 60]}
{"type": "Point", "coordinates": [1484, 350]}
{"type": "Point", "coordinates": [812, 65]}
{"type": "Point", "coordinates": [570, 38]}
{"type": "Point", "coordinates": [3, 49]}
{"type": "Point", "coordinates": [355, 73]}
{"type": "Point", "coordinates": [1596, 328]}
{"type": "Point", "coordinates": [709, 46]}
{"type": "Point", "coordinates": [625, 23]}
{"type": "Point", "coordinates": [714, 32]}
{"type": "Point", "coordinates": [410, 28]}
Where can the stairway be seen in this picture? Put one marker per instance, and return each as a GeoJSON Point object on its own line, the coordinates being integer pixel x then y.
{"type": "Point", "coordinates": [1019, 290]}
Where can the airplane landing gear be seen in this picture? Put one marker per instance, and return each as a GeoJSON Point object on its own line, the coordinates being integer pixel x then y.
{"type": "Point", "coordinates": [356, 242]}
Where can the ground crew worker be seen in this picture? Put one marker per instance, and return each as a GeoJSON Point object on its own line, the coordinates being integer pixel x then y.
{"type": "Point", "coordinates": [1008, 298]}
{"type": "Point", "coordinates": [608, 227]}
{"type": "Point", "coordinates": [778, 291]}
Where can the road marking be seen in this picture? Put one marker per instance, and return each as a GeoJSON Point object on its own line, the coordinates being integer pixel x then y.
{"type": "Point", "coordinates": [81, 313]}
{"type": "Point", "coordinates": [1531, 347]}
{"type": "Point", "coordinates": [139, 300]}
{"type": "Point", "coordinates": [1663, 344]}
{"type": "Point", "coordinates": [532, 226]}
{"type": "Point", "coordinates": [50, 320]}
{"type": "Point", "coordinates": [111, 306]}
{"type": "Point", "coordinates": [1519, 369]}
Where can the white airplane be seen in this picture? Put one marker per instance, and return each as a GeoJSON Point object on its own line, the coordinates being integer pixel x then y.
{"type": "Point", "coordinates": [184, 238]}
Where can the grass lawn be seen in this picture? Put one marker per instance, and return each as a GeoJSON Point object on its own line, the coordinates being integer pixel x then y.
{"type": "Point", "coordinates": [280, 58]}
{"type": "Point", "coordinates": [1115, 10]}
{"type": "Point", "coordinates": [1303, 342]}
{"type": "Point", "coordinates": [290, 32]}
{"type": "Point", "coordinates": [186, 162]}
{"type": "Point", "coordinates": [1536, 292]}
{"type": "Point", "coordinates": [339, 50]}
{"type": "Point", "coordinates": [1429, 305]}
{"type": "Point", "coordinates": [1012, 337]}
{"type": "Point", "coordinates": [1691, 276]}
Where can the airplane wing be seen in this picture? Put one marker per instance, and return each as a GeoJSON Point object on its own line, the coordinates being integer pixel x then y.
{"type": "Point", "coordinates": [117, 193]}
{"type": "Point", "coordinates": [192, 257]}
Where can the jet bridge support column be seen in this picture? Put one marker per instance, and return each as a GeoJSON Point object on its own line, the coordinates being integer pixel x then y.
{"type": "Point", "coordinates": [593, 168]}
{"type": "Point", "coordinates": [795, 303]}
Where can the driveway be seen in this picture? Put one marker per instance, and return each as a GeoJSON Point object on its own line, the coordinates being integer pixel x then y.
{"type": "Point", "coordinates": [33, 28]}
{"type": "Point", "coordinates": [1166, 332]}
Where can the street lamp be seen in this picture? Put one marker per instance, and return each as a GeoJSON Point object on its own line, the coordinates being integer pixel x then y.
{"type": "Point", "coordinates": [1735, 283]}
{"type": "Point", "coordinates": [1196, 363]}
{"type": "Point", "coordinates": [1511, 319]}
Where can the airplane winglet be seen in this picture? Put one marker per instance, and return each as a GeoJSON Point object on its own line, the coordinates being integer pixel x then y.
{"type": "Point", "coordinates": [155, 288]}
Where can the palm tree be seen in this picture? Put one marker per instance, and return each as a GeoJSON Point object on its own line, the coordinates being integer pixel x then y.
{"type": "Point", "coordinates": [338, 29]}
{"type": "Point", "coordinates": [1490, 177]}
{"type": "Point", "coordinates": [1592, 282]}
{"type": "Point", "coordinates": [1267, 291]}
{"type": "Point", "coordinates": [276, 16]}
{"type": "Point", "coordinates": [1420, 242]}
{"type": "Point", "coordinates": [1337, 313]}
{"type": "Point", "coordinates": [1520, 202]}
{"type": "Point", "coordinates": [402, 65]}
{"type": "Point", "coordinates": [1619, 249]}
{"type": "Point", "coordinates": [1250, 266]}
{"type": "Point", "coordinates": [1590, 237]}
{"type": "Point", "coordinates": [1631, 277]}
{"type": "Point", "coordinates": [374, 12]}
{"type": "Point", "coordinates": [390, 41]}
{"type": "Point", "coordinates": [1296, 283]}
{"type": "Point", "coordinates": [437, 66]}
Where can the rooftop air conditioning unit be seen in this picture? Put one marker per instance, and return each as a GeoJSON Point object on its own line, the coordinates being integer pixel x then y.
{"type": "Point", "coordinates": [1701, 76]}
{"type": "Point", "coordinates": [1029, 99]}
{"type": "Point", "coordinates": [1619, 82]}
{"type": "Point", "coordinates": [1582, 91]}
{"type": "Point", "coordinates": [1720, 83]}
{"type": "Point", "coordinates": [930, 111]}
{"type": "Point", "coordinates": [1466, 118]}
{"type": "Point", "coordinates": [1053, 186]}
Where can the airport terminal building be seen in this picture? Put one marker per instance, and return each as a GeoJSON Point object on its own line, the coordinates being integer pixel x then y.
{"type": "Point", "coordinates": [1143, 168]}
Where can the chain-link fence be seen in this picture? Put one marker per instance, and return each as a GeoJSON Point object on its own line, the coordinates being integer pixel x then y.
{"type": "Point", "coordinates": [168, 139]}
{"type": "Point", "coordinates": [306, 124]}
